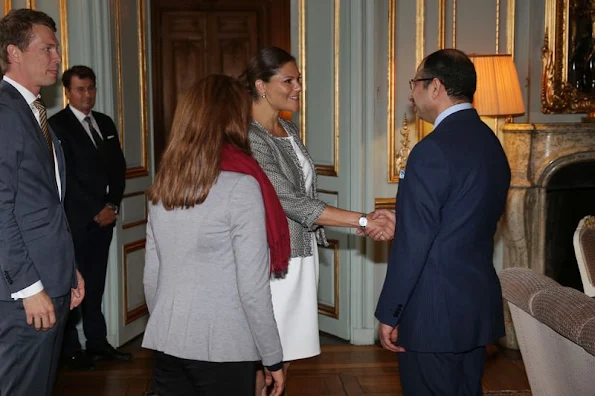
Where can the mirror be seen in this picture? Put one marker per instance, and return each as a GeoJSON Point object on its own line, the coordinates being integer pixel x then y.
{"type": "Point", "coordinates": [568, 58]}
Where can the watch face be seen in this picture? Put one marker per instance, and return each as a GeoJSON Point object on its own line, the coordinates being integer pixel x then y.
{"type": "Point", "coordinates": [363, 221]}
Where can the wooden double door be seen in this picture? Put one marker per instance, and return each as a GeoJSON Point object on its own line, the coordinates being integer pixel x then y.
{"type": "Point", "coordinates": [194, 38]}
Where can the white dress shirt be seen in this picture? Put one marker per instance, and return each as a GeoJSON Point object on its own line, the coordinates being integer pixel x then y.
{"type": "Point", "coordinates": [30, 98]}
{"type": "Point", "coordinates": [81, 117]}
{"type": "Point", "coordinates": [451, 110]}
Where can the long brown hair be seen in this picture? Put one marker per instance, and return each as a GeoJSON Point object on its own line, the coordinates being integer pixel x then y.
{"type": "Point", "coordinates": [213, 111]}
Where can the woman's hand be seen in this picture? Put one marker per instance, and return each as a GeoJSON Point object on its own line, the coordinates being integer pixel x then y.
{"type": "Point", "coordinates": [275, 378]}
{"type": "Point", "coordinates": [381, 225]}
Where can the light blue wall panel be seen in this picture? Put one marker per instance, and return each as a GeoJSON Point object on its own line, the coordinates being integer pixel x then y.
{"type": "Point", "coordinates": [319, 98]}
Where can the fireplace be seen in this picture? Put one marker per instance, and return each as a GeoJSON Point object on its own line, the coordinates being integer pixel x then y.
{"type": "Point", "coordinates": [570, 196]}
{"type": "Point", "coordinates": [552, 166]}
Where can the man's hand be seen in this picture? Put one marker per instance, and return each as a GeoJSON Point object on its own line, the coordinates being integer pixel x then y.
{"type": "Point", "coordinates": [388, 336]}
{"type": "Point", "coordinates": [40, 311]}
{"type": "Point", "coordinates": [77, 293]}
{"type": "Point", "coordinates": [275, 378]}
{"type": "Point", "coordinates": [106, 217]}
{"type": "Point", "coordinates": [381, 225]}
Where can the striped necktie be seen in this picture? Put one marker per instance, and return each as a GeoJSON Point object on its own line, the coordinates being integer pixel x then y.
{"type": "Point", "coordinates": [45, 129]}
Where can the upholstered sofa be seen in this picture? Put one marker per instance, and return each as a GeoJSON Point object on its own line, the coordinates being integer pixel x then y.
{"type": "Point", "coordinates": [555, 328]}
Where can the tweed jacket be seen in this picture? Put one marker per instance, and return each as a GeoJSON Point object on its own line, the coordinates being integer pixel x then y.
{"type": "Point", "coordinates": [207, 277]}
{"type": "Point", "coordinates": [279, 161]}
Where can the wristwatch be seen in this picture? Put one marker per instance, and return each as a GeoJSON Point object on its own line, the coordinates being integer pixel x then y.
{"type": "Point", "coordinates": [113, 207]}
{"type": "Point", "coordinates": [363, 221]}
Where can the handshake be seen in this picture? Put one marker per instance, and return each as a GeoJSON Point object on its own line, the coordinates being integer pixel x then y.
{"type": "Point", "coordinates": [381, 225]}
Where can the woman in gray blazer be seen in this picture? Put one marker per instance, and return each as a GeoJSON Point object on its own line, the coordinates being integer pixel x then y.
{"type": "Point", "coordinates": [207, 263]}
{"type": "Point", "coordinates": [274, 83]}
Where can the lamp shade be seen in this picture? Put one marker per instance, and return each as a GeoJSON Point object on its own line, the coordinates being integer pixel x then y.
{"type": "Point", "coordinates": [498, 91]}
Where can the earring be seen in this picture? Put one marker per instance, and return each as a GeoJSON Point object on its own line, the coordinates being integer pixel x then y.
{"type": "Point", "coordinates": [264, 95]}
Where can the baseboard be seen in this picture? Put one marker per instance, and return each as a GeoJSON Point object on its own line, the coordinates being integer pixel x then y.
{"type": "Point", "coordinates": [362, 336]}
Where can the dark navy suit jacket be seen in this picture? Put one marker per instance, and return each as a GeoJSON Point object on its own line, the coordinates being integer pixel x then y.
{"type": "Point", "coordinates": [441, 288]}
{"type": "Point", "coordinates": [35, 239]}
{"type": "Point", "coordinates": [90, 170]}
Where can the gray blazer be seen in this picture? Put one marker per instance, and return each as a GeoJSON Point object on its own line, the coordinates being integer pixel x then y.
{"type": "Point", "coordinates": [279, 161]}
{"type": "Point", "coordinates": [207, 277]}
{"type": "Point", "coordinates": [35, 240]}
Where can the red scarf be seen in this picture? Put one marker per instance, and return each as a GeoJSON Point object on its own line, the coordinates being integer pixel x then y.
{"type": "Point", "coordinates": [235, 160]}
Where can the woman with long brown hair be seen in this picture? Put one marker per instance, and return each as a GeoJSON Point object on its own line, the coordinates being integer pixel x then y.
{"type": "Point", "coordinates": [213, 216]}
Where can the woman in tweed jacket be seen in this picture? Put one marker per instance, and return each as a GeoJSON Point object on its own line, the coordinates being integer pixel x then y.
{"type": "Point", "coordinates": [274, 83]}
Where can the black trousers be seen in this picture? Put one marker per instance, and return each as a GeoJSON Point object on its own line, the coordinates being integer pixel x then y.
{"type": "Point", "coordinates": [91, 248]}
{"type": "Point", "coordinates": [29, 358]}
{"type": "Point", "coordinates": [442, 374]}
{"type": "Point", "coordinates": [174, 376]}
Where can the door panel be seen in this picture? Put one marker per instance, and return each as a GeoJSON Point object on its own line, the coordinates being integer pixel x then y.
{"type": "Point", "coordinates": [324, 69]}
{"type": "Point", "coordinates": [235, 36]}
{"type": "Point", "coordinates": [194, 38]}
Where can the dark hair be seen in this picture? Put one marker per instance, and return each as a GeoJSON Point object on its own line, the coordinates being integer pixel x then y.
{"type": "Point", "coordinates": [264, 66]}
{"type": "Point", "coordinates": [81, 72]}
{"type": "Point", "coordinates": [213, 111]}
{"type": "Point", "coordinates": [455, 71]}
{"type": "Point", "coordinates": [16, 28]}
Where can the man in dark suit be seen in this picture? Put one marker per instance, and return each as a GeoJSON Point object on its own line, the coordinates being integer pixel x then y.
{"type": "Point", "coordinates": [441, 303]}
{"type": "Point", "coordinates": [95, 172]}
{"type": "Point", "coordinates": [39, 278]}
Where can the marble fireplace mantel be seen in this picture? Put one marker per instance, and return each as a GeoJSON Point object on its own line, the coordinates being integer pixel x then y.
{"type": "Point", "coordinates": [535, 153]}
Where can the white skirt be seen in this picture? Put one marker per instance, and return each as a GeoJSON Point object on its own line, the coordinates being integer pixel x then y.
{"type": "Point", "coordinates": [295, 303]}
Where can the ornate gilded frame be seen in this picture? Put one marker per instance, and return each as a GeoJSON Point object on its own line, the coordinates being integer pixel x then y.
{"type": "Point", "coordinates": [557, 94]}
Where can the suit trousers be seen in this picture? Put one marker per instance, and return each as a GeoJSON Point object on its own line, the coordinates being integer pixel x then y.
{"type": "Point", "coordinates": [442, 374]}
{"type": "Point", "coordinates": [176, 376]}
{"type": "Point", "coordinates": [29, 358]}
{"type": "Point", "coordinates": [91, 248]}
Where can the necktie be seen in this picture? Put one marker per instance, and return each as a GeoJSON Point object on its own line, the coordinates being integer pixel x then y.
{"type": "Point", "coordinates": [97, 140]}
{"type": "Point", "coordinates": [43, 123]}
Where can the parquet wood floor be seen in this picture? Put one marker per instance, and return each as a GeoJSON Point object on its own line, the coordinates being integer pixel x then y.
{"type": "Point", "coordinates": [340, 370]}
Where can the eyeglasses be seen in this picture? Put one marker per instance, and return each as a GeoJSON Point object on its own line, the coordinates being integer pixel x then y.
{"type": "Point", "coordinates": [80, 90]}
{"type": "Point", "coordinates": [415, 80]}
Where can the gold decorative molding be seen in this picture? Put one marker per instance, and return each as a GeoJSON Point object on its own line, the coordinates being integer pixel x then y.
{"type": "Point", "coordinates": [454, 23]}
{"type": "Point", "coordinates": [116, 8]}
{"type": "Point", "coordinates": [397, 159]}
{"type": "Point", "coordinates": [385, 203]}
{"type": "Point", "coordinates": [138, 222]}
{"type": "Point", "coordinates": [510, 21]}
{"type": "Point", "coordinates": [557, 94]}
{"type": "Point", "coordinates": [441, 24]}
{"type": "Point", "coordinates": [324, 309]}
{"type": "Point", "coordinates": [497, 26]}
{"type": "Point", "coordinates": [32, 4]}
{"type": "Point", "coordinates": [403, 153]}
{"type": "Point", "coordinates": [7, 6]}
{"type": "Point", "coordinates": [64, 41]}
{"type": "Point", "coordinates": [589, 222]}
{"type": "Point", "coordinates": [420, 125]}
{"type": "Point", "coordinates": [322, 169]}
{"type": "Point", "coordinates": [142, 310]}
{"type": "Point", "coordinates": [334, 169]}
{"type": "Point", "coordinates": [302, 61]}
{"type": "Point", "coordinates": [390, 111]}
{"type": "Point", "coordinates": [143, 169]}
{"type": "Point", "coordinates": [419, 31]}
{"type": "Point", "coordinates": [423, 128]}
